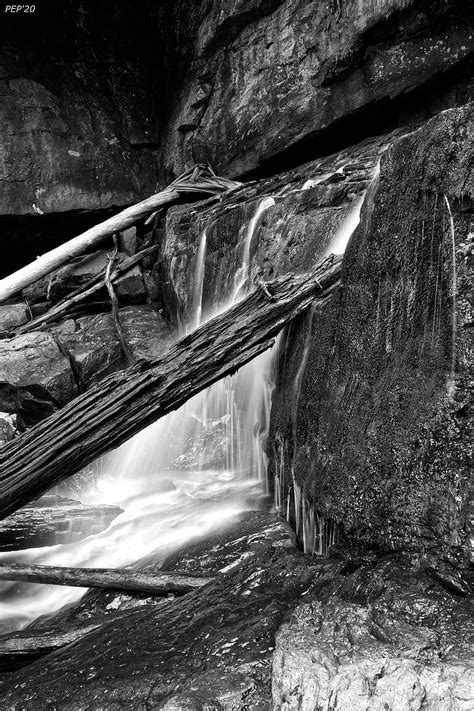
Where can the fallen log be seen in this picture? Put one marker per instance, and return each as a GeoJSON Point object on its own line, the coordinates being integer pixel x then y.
{"type": "Point", "coordinates": [17, 649]}
{"type": "Point", "coordinates": [128, 401]}
{"type": "Point", "coordinates": [137, 581]}
{"type": "Point", "coordinates": [53, 520]}
{"type": "Point", "coordinates": [81, 294]}
{"type": "Point", "coordinates": [199, 179]}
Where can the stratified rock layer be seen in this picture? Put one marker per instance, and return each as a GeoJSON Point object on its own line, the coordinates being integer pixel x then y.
{"type": "Point", "coordinates": [52, 520]}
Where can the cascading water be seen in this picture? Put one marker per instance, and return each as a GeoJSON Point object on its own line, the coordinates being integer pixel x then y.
{"type": "Point", "coordinates": [187, 474]}
{"type": "Point", "coordinates": [452, 375]}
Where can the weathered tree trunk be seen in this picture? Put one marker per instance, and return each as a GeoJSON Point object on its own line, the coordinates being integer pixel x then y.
{"type": "Point", "coordinates": [128, 401]}
{"type": "Point", "coordinates": [198, 180]}
{"type": "Point", "coordinates": [141, 581]}
{"type": "Point", "coordinates": [54, 520]}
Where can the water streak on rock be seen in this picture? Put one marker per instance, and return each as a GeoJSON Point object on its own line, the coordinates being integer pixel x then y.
{"type": "Point", "coordinates": [454, 287]}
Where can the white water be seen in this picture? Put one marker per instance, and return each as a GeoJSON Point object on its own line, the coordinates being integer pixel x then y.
{"type": "Point", "coordinates": [189, 473]}
{"type": "Point", "coordinates": [454, 287]}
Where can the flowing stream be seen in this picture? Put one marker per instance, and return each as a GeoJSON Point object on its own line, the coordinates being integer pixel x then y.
{"type": "Point", "coordinates": [189, 473]}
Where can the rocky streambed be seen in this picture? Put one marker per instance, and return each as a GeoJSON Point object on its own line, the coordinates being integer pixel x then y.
{"type": "Point", "coordinates": [274, 629]}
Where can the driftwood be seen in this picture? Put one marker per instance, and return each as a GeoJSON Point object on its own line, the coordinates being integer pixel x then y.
{"type": "Point", "coordinates": [95, 284]}
{"type": "Point", "coordinates": [53, 520]}
{"type": "Point", "coordinates": [126, 350]}
{"type": "Point", "coordinates": [128, 401]}
{"type": "Point", "coordinates": [197, 180]}
{"type": "Point", "coordinates": [143, 581]}
{"type": "Point", "coordinates": [18, 649]}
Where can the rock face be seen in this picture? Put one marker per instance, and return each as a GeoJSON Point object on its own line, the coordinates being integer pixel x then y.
{"type": "Point", "coordinates": [293, 219]}
{"type": "Point", "coordinates": [75, 114]}
{"type": "Point", "coordinates": [363, 647]}
{"type": "Point", "coordinates": [271, 74]}
{"type": "Point", "coordinates": [378, 437]}
{"type": "Point", "coordinates": [368, 424]}
{"type": "Point", "coordinates": [85, 117]}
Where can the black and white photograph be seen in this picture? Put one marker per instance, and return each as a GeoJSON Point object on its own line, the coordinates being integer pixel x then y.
{"type": "Point", "coordinates": [236, 340]}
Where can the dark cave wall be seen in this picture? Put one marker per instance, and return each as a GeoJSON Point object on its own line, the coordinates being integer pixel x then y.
{"type": "Point", "coordinates": [100, 103]}
{"type": "Point", "coordinates": [380, 442]}
{"type": "Point", "coordinates": [85, 90]}
{"type": "Point", "coordinates": [272, 80]}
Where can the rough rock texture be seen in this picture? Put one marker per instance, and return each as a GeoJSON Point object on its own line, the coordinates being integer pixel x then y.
{"type": "Point", "coordinates": [293, 219]}
{"type": "Point", "coordinates": [41, 371]}
{"type": "Point", "coordinates": [369, 413]}
{"type": "Point", "coordinates": [91, 99]}
{"type": "Point", "coordinates": [35, 377]}
{"type": "Point", "coordinates": [273, 622]}
{"type": "Point", "coordinates": [8, 427]}
{"type": "Point", "coordinates": [269, 74]}
{"type": "Point", "coordinates": [12, 315]}
{"type": "Point", "coordinates": [379, 438]}
{"type": "Point", "coordinates": [379, 639]}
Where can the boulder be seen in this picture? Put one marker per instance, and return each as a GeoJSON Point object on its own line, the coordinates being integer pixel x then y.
{"type": "Point", "coordinates": [382, 637]}
{"type": "Point", "coordinates": [12, 315]}
{"type": "Point", "coordinates": [93, 345]}
{"type": "Point", "coordinates": [338, 655]}
{"type": "Point", "coordinates": [8, 427]}
{"type": "Point", "coordinates": [130, 288]}
{"type": "Point", "coordinates": [146, 331]}
{"type": "Point", "coordinates": [128, 241]}
{"type": "Point", "coordinates": [35, 377]}
{"type": "Point", "coordinates": [378, 439]}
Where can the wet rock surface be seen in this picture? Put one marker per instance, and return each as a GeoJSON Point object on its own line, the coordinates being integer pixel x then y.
{"type": "Point", "coordinates": [51, 520]}
{"type": "Point", "coordinates": [378, 631]}
{"type": "Point", "coordinates": [303, 210]}
{"type": "Point", "coordinates": [385, 451]}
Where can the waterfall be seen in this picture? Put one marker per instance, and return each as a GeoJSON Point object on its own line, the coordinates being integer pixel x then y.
{"type": "Point", "coordinates": [454, 287]}
{"type": "Point", "coordinates": [189, 473]}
